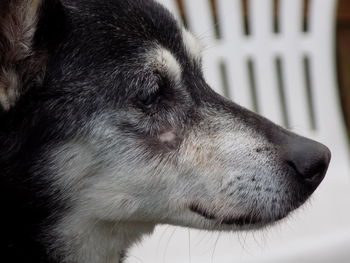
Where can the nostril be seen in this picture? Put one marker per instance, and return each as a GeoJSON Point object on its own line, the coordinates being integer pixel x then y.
{"type": "Point", "coordinates": [291, 164]}
{"type": "Point", "coordinates": [312, 173]}
{"type": "Point", "coordinates": [315, 178]}
{"type": "Point", "coordinates": [310, 161]}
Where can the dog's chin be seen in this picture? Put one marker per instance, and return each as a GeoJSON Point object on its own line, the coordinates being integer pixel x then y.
{"type": "Point", "coordinates": [249, 221]}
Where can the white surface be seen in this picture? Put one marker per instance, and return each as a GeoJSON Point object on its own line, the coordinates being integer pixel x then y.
{"type": "Point", "coordinates": [321, 231]}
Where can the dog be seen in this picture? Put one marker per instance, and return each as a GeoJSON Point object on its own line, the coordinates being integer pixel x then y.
{"type": "Point", "coordinates": [108, 128]}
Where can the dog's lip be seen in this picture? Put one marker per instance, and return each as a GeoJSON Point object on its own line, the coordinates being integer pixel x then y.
{"type": "Point", "coordinates": [238, 221]}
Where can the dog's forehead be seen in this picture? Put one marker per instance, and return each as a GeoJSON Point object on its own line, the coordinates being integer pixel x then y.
{"type": "Point", "coordinates": [145, 19]}
{"type": "Point", "coordinates": [134, 24]}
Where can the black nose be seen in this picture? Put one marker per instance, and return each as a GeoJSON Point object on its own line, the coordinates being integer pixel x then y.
{"type": "Point", "coordinates": [309, 159]}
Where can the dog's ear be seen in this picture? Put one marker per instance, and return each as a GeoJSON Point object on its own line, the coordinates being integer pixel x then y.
{"type": "Point", "coordinates": [18, 19]}
{"type": "Point", "coordinates": [24, 23]}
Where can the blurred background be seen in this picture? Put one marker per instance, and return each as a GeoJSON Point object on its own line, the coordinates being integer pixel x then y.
{"type": "Point", "coordinates": [342, 47]}
{"type": "Point", "coordinates": [288, 60]}
{"type": "Point", "coordinates": [342, 51]}
{"type": "Point", "coordinates": [343, 55]}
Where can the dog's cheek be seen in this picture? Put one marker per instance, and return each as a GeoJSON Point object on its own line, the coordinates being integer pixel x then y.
{"type": "Point", "coordinates": [199, 156]}
{"type": "Point", "coordinates": [162, 144]}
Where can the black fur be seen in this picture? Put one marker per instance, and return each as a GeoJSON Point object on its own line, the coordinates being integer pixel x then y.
{"type": "Point", "coordinates": [91, 50]}
{"type": "Point", "coordinates": [93, 54]}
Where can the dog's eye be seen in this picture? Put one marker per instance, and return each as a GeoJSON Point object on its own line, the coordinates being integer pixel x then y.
{"type": "Point", "coordinates": [153, 97]}
{"type": "Point", "coordinates": [150, 99]}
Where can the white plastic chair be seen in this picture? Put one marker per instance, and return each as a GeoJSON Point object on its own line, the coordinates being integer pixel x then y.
{"type": "Point", "coordinates": [282, 67]}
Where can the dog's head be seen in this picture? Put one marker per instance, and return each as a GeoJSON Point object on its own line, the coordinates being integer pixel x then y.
{"type": "Point", "coordinates": [126, 128]}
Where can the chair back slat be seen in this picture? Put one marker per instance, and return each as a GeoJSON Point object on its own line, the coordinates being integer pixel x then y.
{"type": "Point", "coordinates": [293, 39]}
{"type": "Point", "coordinates": [260, 15]}
{"type": "Point", "coordinates": [201, 24]}
{"type": "Point", "coordinates": [291, 18]}
{"type": "Point", "coordinates": [232, 43]}
{"type": "Point", "coordinates": [231, 20]}
{"type": "Point", "coordinates": [173, 7]}
{"type": "Point", "coordinates": [261, 66]}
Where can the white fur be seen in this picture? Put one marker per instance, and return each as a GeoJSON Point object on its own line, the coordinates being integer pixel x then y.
{"type": "Point", "coordinates": [193, 46]}
{"type": "Point", "coordinates": [92, 240]}
{"type": "Point", "coordinates": [167, 136]}
{"type": "Point", "coordinates": [105, 196]}
{"type": "Point", "coordinates": [117, 193]}
{"type": "Point", "coordinates": [9, 88]}
{"type": "Point", "coordinates": [163, 60]}
{"type": "Point", "coordinates": [4, 99]}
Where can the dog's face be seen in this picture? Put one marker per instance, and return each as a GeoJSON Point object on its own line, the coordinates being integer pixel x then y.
{"type": "Point", "coordinates": [140, 136]}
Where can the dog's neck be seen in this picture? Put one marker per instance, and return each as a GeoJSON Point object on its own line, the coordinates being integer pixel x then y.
{"type": "Point", "coordinates": [101, 242]}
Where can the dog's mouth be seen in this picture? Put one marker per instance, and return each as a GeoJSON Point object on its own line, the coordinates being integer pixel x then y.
{"type": "Point", "coordinates": [237, 221]}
